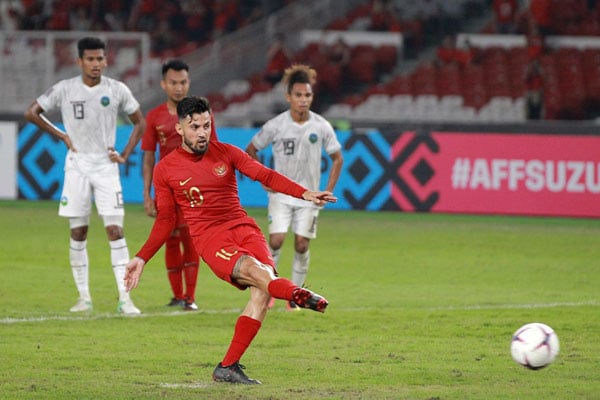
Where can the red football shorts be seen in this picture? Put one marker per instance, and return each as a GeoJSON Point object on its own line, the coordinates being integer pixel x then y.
{"type": "Point", "coordinates": [225, 248]}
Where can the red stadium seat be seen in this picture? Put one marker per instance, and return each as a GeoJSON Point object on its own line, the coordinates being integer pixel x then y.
{"type": "Point", "coordinates": [362, 64]}
{"type": "Point", "coordinates": [387, 57]}
{"type": "Point", "coordinates": [449, 80]}
{"type": "Point", "coordinates": [329, 77]}
{"type": "Point", "coordinates": [340, 24]}
{"type": "Point", "coordinates": [475, 96]}
{"type": "Point", "coordinates": [400, 85]}
{"type": "Point", "coordinates": [353, 99]}
{"type": "Point", "coordinates": [217, 100]}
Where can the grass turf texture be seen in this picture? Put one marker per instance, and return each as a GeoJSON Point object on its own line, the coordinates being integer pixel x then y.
{"type": "Point", "coordinates": [422, 306]}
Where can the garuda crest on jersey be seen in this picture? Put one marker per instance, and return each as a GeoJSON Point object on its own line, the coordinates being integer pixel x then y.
{"type": "Point", "coordinates": [220, 169]}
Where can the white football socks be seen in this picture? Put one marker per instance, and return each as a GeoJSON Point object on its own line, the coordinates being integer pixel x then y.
{"type": "Point", "coordinates": [275, 254]}
{"type": "Point", "coordinates": [78, 258]}
{"type": "Point", "coordinates": [119, 256]}
{"type": "Point", "coordinates": [300, 267]}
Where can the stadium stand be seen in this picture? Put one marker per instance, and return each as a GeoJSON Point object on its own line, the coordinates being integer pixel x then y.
{"type": "Point", "coordinates": [484, 75]}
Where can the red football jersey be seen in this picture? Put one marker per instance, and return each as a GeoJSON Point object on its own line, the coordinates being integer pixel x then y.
{"type": "Point", "coordinates": [205, 188]}
{"type": "Point", "coordinates": [160, 129]}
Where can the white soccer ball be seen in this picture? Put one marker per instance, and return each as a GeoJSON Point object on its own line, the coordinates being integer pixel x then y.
{"type": "Point", "coordinates": [534, 345]}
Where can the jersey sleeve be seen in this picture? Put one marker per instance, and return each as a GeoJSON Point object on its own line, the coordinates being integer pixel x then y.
{"type": "Point", "coordinates": [270, 178]}
{"type": "Point", "coordinates": [166, 217]}
{"type": "Point", "coordinates": [265, 136]}
{"type": "Point", "coordinates": [330, 141]}
{"type": "Point", "coordinates": [50, 100]}
{"type": "Point", "coordinates": [128, 102]}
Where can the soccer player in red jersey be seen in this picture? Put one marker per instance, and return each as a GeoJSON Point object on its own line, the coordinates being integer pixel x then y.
{"type": "Point", "coordinates": [200, 178]}
{"type": "Point", "coordinates": [181, 259]}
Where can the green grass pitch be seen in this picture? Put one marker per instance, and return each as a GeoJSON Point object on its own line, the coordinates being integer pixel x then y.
{"type": "Point", "coordinates": [422, 306]}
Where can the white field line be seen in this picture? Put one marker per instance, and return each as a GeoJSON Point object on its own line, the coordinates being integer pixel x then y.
{"type": "Point", "coordinates": [197, 385]}
{"type": "Point", "coordinates": [91, 317]}
{"type": "Point", "coordinates": [518, 306]}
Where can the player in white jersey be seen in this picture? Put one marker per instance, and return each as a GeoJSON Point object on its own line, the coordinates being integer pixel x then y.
{"type": "Point", "coordinates": [90, 105]}
{"type": "Point", "coordinates": [298, 137]}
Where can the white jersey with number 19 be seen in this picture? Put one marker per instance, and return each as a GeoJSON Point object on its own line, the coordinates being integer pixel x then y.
{"type": "Point", "coordinates": [297, 149]}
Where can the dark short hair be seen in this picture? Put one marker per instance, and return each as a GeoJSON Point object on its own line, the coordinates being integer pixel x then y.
{"type": "Point", "coordinates": [298, 73]}
{"type": "Point", "coordinates": [89, 43]}
{"type": "Point", "coordinates": [192, 105]}
{"type": "Point", "coordinates": [175, 65]}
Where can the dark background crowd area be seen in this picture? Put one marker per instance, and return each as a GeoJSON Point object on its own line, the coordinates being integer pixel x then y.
{"type": "Point", "coordinates": [176, 26]}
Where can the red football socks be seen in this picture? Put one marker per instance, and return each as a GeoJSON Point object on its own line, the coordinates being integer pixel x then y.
{"type": "Point", "coordinates": [282, 288]}
{"type": "Point", "coordinates": [246, 329]}
{"type": "Point", "coordinates": [191, 276]}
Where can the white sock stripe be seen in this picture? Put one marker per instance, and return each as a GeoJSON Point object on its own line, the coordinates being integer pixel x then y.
{"type": "Point", "coordinates": [76, 249]}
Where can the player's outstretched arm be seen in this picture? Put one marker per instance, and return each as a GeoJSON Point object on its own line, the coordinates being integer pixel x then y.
{"type": "Point", "coordinates": [319, 198]}
{"type": "Point", "coordinates": [135, 267]}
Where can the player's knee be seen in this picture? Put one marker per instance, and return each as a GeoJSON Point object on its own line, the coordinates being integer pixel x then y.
{"type": "Point", "coordinates": [249, 269]}
{"type": "Point", "coordinates": [113, 224]}
{"type": "Point", "coordinates": [301, 245]}
{"type": "Point", "coordinates": [114, 232]}
{"type": "Point", "coordinates": [275, 244]}
{"type": "Point", "coordinates": [79, 228]}
{"type": "Point", "coordinates": [301, 248]}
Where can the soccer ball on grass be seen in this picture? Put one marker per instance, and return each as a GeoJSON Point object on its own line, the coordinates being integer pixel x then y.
{"type": "Point", "coordinates": [534, 345]}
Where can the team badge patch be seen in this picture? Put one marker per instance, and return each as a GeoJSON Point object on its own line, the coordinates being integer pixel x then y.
{"type": "Point", "coordinates": [220, 169]}
{"type": "Point", "coordinates": [64, 200]}
{"type": "Point", "coordinates": [105, 101]}
{"type": "Point", "coordinates": [313, 137]}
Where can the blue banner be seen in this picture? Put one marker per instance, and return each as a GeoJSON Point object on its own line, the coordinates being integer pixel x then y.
{"type": "Point", "coordinates": [41, 164]}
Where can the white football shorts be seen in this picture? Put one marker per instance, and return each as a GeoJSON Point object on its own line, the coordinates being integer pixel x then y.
{"type": "Point", "coordinates": [303, 220]}
{"type": "Point", "coordinates": [91, 177]}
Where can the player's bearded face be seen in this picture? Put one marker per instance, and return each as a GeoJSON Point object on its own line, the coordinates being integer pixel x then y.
{"type": "Point", "coordinates": [195, 130]}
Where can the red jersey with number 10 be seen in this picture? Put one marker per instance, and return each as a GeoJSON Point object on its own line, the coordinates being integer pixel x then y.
{"type": "Point", "coordinates": [205, 188]}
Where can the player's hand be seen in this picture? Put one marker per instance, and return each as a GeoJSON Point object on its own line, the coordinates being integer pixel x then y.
{"type": "Point", "coordinates": [134, 270]}
{"type": "Point", "coordinates": [150, 207]}
{"type": "Point", "coordinates": [115, 156]}
{"type": "Point", "coordinates": [319, 198]}
{"type": "Point", "coordinates": [69, 144]}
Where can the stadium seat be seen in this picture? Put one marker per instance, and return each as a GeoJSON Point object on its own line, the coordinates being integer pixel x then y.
{"type": "Point", "coordinates": [401, 105]}
{"type": "Point", "coordinates": [237, 110]}
{"type": "Point", "coordinates": [387, 57]}
{"type": "Point", "coordinates": [400, 85]}
{"type": "Point", "coordinates": [236, 87]}
{"type": "Point", "coordinates": [339, 111]}
{"type": "Point", "coordinates": [353, 99]}
{"type": "Point", "coordinates": [424, 80]}
{"type": "Point", "coordinates": [448, 80]}
{"type": "Point", "coordinates": [330, 77]}
{"type": "Point", "coordinates": [475, 96]}
{"type": "Point", "coordinates": [426, 106]}
{"type": "Point", "coordinates": [362, 64]}
{"type": "Point", "coordinates": [340, 24]}
{"type": "Point", "coordinates": [218, 102]}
